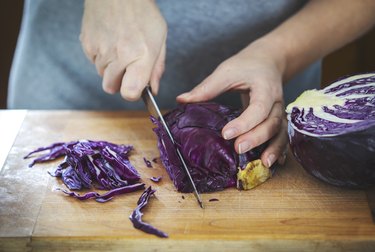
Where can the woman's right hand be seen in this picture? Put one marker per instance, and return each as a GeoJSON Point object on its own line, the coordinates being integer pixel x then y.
{"type": "Point", "coordinates": [126, 40]}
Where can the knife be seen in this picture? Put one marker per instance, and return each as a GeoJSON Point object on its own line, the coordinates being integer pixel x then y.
{"type": "Point", "coordinates": [154, 110]}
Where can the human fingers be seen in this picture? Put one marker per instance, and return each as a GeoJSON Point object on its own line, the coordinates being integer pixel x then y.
{"type": "Point", "coordinates": [215, 84]}
{"type": "Point", "coordinates": [245, 99]}
{"type": "Point", "coordinates": [276, 150]}
{"type": "Point", "coordinates": [112, 77]}
{"type": "Point", "coordinates": [261, 102]}
{"type": "Point", "coordinates": [135, 79]}
{"type": "Point", "coordinates": [112, 64]}
{"type": "Point", "coordinates": [262, 132]}
{"type": "Point", "coordinates": [101, 63]}
{"type": "Point", "coordinates": [88, 48]}
{"type": "Point", "coordinates": [158, 70]}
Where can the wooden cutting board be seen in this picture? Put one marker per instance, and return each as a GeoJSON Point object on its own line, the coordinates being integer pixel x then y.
{"type": "Point", "coordinates": [291, 212]}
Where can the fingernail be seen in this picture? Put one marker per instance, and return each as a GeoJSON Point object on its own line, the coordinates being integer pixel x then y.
{"type": "Point", "coordinates": [243, 147]}
{"type": "Point", "coordinates": [183, 96]}
{"type": "Point", "coordinates": [229, 133]}
{"type": "Point", "coordinates": [109, 90]}
{"type": "Point", "coordinates": [270, 160]}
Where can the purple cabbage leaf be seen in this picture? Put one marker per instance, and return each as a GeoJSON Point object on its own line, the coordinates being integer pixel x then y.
{"type": "Point", "coordinates": [147, 162]}
{"type": "Point", "coordinates": [212, 161]}
{"type": "Point", "coordinates": [88, 164]}
{"type": "Point", "coordinates": [136, 215]}
{"type": "Point", "coordinates": [156, 179]}
{"type": "Point", "coordinates": [101, 198]}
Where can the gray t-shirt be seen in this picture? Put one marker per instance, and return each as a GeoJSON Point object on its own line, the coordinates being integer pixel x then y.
{"type": "Point", "coordinates": [50, 70]}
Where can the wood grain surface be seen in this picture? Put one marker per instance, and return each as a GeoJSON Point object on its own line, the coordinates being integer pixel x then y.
{"type": "Point", "coordinates": [290, 212]}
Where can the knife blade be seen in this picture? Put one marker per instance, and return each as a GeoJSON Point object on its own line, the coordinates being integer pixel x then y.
{"type": "Point", "coordinates": [154, 110]}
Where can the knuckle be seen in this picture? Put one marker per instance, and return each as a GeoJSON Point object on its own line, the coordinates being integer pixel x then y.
{"type": "Point", "coordinates": [255, 140]}
{"type": "Point", "coordinates": [122, 51]}
{"type": "Point", "coordinates": [88, 47]}
{"type": "Point", "coordinates": [90, 50]}
{"type": "Point", "coordinates": [279, 145]}
{"type": "Point", "coordinates": [130, 50]}
{"type": "Point", "coordinates": [278, 93]}
{"type": "Point", "coordinates": [100, 71]}
{"type": "Point", "coordinates": [276, 122]}
{"type": "Point", "coordinates": [224, 67]}
{"type": "Point", "coordinates": [243, 126]}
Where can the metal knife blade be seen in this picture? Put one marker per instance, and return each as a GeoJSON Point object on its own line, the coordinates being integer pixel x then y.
{"type": "Point", "coordinates": [154, 110]}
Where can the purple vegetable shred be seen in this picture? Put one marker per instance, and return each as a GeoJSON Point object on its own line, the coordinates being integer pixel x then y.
{"type": "Point", "coordinates": [156, 179]}
{"type": "Point", "coordinates": [88, 164]}
{"type": "Point", "coordinates": [147, 162]}
{"type": "Point", "coordinates": [136, 216]}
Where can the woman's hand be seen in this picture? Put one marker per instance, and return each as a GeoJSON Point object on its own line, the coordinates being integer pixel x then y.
{"type": "Point", "coordinates": [126, 42]}
{"type": "Point", "coordinates": [258, 75]}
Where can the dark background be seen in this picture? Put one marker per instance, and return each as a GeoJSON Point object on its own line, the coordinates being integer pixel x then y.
{"type": "Point", "coordinates": [356, 57]}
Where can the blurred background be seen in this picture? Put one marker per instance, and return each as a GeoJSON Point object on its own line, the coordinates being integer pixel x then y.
{"type": "Point", "coordinates": [356, 57]}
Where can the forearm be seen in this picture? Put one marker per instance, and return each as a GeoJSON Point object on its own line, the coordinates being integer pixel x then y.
{"type": "Point", "coordinates": [319, 28]}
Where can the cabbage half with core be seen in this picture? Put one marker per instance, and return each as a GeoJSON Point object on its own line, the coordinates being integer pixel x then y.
{"type": "Point", "coordinates": [332, 131]}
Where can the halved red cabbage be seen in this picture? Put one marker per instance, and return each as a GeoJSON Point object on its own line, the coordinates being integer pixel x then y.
{"type": "Point", "coordinates": [136, 216]}
{"type": "Point", "coordinates": [332, 131]}
{"type": "Point", "coordinates": [211, 160]}
{"type": "Point", "coordinates": [87, 163]}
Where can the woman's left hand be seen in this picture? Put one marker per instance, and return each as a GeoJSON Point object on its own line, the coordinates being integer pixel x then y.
{"type": "Point", "coordinates": [258, 75]}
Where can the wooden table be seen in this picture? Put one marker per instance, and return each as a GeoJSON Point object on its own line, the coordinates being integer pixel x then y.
{"type": "Point", "coordinates": [290, 212]}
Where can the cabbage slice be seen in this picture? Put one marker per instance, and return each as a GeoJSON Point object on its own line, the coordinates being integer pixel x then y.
{"type": "Point", "coordinates": [136, 215]}
{"type": "Point", "coordinates": [345, 106]}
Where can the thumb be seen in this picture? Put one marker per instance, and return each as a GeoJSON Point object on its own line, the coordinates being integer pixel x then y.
{"type": "Point", "coordinates": [208, 89]}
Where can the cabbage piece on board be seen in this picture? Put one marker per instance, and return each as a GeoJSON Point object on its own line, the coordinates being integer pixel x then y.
{"type": "Point", "coordinates": [88, 164]}
{"type": "Point", "coordinates": [211, 160]}
{"type": "Point", "coordinates": [332, 131]}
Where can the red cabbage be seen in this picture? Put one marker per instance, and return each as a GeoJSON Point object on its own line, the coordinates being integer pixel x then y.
{"type": "Point", "coordinates": [211, 160]}
{"type": "Point", "coordinates": [56, 150]}
{"type": "Point", "coordinates": [106, 196]}
{"type": "Point", "coordinates": [147, 162]}
{"type": "Point", "coordinates": [101, 164]}
{"type": "Point", "coordinates": [136, 216]}
{"type": "Point", "coordinates": [332, 131]}
{"type": "Point", "coordinates": [156, 179]}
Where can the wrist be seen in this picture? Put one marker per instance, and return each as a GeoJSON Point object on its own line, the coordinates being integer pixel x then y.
{"type": "Point", "coordinates": [270, 50]}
